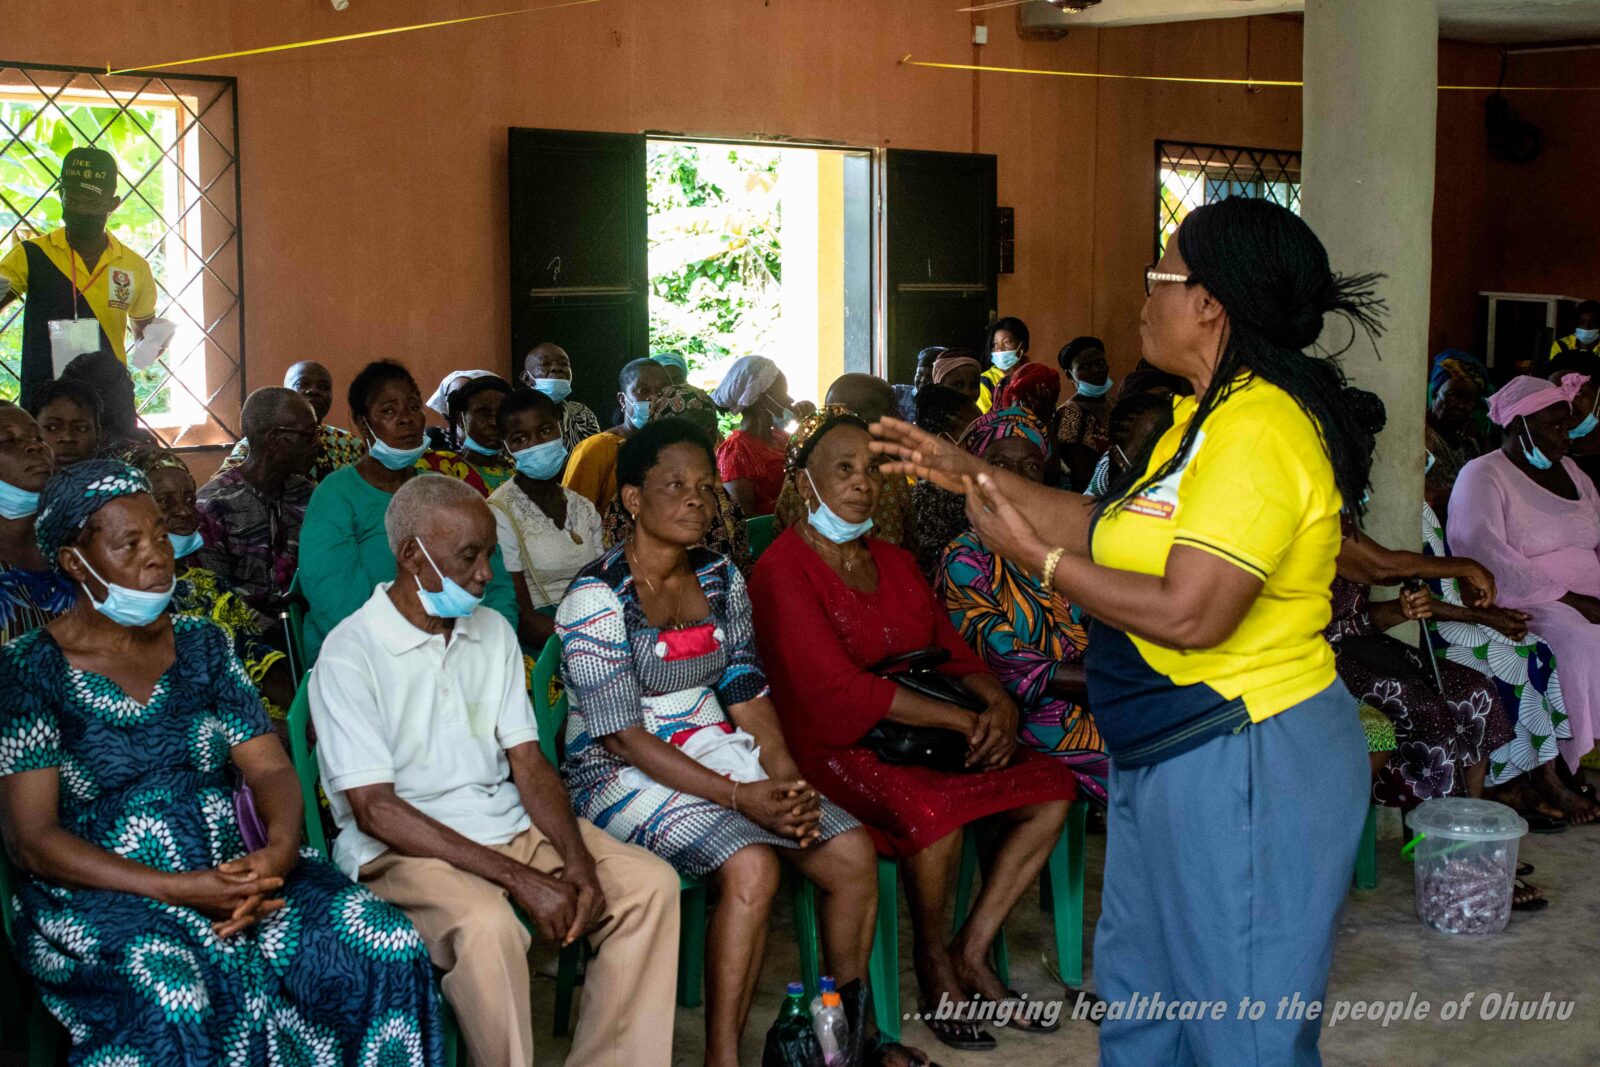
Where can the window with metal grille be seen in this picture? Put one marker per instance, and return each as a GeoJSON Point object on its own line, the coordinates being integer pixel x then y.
{"type": "Point", "coordinates": [1189, 175]}
{"type": "Point", "coordinates": [175, 142]}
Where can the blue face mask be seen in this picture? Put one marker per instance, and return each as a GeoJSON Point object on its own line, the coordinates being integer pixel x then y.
{"type": "Point", "coordinates": [472, 446]}
{"type": "Point", "coordinates": [541, 462]}
{"type": "Point", "coordinates": [1093, 391]}
{"type": "Point", "coordinates": [1584, 428]}
{"type": "Point", "coordinates": [17, 503]}
{"type": "Point", "coordinates": [1586, 337]}
{"type": "Point", "coordinates": [396, 459]}
{"type": "Point", "coordinates": [124, 606]}
{"type": "Point", "coordinates": [1005, 359]}
{"type": "Point", "coordinates": [1533, 452]}
{"type": "Point", "coordinates": [826, 521]}
{"type": "Point", "coordinates": [638, 413]}
{"type": "Point", "coordinates": [185, 544]}
{"type": "Point", "coordinates": [557, 389]}
{"type": "Point", "coordinates": [451, 601]}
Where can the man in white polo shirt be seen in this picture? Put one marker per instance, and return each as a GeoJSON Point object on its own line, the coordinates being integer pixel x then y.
{"type": "Point", "coordinates": [446, 806]}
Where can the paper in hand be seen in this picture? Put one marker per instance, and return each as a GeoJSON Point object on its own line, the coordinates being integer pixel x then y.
{"type": "Point", "coordinates": [158, 335]}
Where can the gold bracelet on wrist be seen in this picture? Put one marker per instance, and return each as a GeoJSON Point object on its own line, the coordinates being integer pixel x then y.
{"type": "Point", "coordinates": [1047, 573]}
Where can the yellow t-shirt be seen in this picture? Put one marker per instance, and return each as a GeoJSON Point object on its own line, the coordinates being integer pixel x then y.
{"type": "Point", "coordinates": [1258, 491]}
{"type": "Point", "coordinates": [1569, 343]}
{"type": "Point", "coordinates": [988, 387]}
{"type": "Point", "coordinates": [119, 288]}
{"type": "Point", "coordinates": [592, 469]}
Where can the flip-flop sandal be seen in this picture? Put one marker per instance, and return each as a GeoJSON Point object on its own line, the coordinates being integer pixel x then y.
{"type": "Point", "coordinates": [1524, 869]}
{"type": "Point", "coordinates": [1536, 904]}
{"type": "Point", "coordinates": [1085, 998]}
{"type": "Point", "coordinates": [960, 1034]}
{"type": "Point", "coordinates": [1540, 823]}
{"type": "Point", "coordinates": [1025, 1026]}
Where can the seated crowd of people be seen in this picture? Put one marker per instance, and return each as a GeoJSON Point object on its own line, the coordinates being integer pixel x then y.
{"type": "Point", "coordinates": [732, 708]}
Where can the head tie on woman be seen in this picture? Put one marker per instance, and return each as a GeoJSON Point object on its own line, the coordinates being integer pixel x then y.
{"type": "Point", "coordinates": [1524, 395]}
{"type": "Point", "coordinates": [73, 496]}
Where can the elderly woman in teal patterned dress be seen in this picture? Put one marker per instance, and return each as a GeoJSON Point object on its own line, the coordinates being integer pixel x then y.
{"type": "Point", "coordinates": [154, 934]}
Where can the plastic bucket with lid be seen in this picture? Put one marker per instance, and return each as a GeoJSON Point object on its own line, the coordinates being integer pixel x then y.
{"type": "Point", "coordinates": [1466, 860]}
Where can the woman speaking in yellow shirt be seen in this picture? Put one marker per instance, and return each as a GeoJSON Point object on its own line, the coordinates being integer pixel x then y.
{"type": "Point", "coordinates": [1239, 772]}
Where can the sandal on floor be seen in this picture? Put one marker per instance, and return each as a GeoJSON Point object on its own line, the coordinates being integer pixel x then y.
{"type": "Point", "coordinates": [1540, 823]}
{"type": "Point", "coordinates": [1019, 1022]}
{"type": "Point", "coordinates": [1536, 904]}
{"type": "Point", "coordinates": [1087, 1001]}
{"type": "Point", "coordinates": [960, 1034]}
{"type": "Point", "coordinates": [889, 1048]}
{"type": "Point", "coordinates": [1524, 869]}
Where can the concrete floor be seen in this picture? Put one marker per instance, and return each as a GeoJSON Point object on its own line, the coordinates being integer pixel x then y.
{"type": "Point", "coordinates": [1384, 953]}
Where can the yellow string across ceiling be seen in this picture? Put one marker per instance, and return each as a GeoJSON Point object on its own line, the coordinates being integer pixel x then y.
{"type": "Point", "coordinates": [346, 37]}
{"type": "Point", "coordinates": [1249, 83]}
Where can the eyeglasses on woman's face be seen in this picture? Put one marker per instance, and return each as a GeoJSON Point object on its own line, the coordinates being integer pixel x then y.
{"type": "Point", "coordinates": [1153, 278]}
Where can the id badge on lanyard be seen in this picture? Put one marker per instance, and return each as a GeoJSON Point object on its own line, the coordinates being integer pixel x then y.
{"type": "Point", "coordinates": [77, 336]}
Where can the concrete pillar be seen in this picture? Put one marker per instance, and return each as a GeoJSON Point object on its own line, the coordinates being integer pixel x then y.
{"type": "Point", "coordinates": [1370, 101]}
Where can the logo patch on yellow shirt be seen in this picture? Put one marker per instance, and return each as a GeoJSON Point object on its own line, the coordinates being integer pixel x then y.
{"type": "Point", "coordinates": [1160, 501]}
{"type": "Point", "coordinates": [119, 291]}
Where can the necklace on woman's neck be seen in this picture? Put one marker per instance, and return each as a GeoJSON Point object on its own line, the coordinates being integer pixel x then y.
{"type": "Point", "coordinates": [638, 572]}
{"type": "Point", "coordinates": [845, 558]}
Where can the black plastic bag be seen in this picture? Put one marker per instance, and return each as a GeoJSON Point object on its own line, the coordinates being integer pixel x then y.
{"type": "Point", "coordinates": [790, 1045]}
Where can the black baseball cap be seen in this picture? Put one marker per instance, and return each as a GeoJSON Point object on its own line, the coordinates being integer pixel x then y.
{"type": "Point", "coordinates": [89, 175]}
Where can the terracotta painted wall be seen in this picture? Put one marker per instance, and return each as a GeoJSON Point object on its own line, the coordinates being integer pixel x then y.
{"type": "Point", "coordinates": [374, 171]}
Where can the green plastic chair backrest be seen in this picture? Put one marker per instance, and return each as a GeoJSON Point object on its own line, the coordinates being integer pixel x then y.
{"type": "Point", "coordinates": [549, 711]}
{"type": "Point", "coordinates": [8, 885]}
{"type": "Point", "coordinates": [762, 532]}
{"type": "Point", "coordinates": [305, 763]}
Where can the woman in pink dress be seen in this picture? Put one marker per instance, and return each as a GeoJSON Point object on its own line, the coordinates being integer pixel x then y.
{"type": "Point", "coordinates": [1533, 518]}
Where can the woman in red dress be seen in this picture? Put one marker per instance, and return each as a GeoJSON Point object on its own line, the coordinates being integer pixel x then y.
{"type": "Point", "coordinates": [831, 602]}
{"type": "Point", "coordinates": [750, 460]}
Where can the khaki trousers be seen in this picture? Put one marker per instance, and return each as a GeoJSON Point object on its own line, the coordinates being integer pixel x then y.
{"type": "Point", "coordinates": [473, 934]}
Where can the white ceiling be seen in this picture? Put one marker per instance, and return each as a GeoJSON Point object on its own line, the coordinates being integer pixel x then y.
{"type": "Point", "coordinates": [1488, 21]}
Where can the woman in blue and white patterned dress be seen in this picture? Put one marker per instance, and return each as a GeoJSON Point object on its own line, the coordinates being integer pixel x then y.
{"type": "Point", "coordinates": [152, 933]}
{"type": "Point", "coordinates": [673, 744]}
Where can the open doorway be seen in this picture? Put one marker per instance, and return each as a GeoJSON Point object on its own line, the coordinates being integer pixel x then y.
{"type": "Point", "coordinates": [760, 248]}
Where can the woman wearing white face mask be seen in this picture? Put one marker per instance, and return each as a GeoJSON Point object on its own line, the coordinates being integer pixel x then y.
{"type": "Point", "coordinates": [831, 605]}
{"type": "Point", "coordinates": [344, 547]}
{"type": "Point", "coordinates": [1007, 346]}
{"type": "Point", "coordinates": [547, 532]}
{"type": "Point", "coordinates": [31, 591]}
{"type": "Point", "coordinates": [1528, 514]}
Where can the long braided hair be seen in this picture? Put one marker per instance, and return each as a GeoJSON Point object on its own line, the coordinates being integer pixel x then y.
{"type": "Point", "coordinates": [1271, 275]}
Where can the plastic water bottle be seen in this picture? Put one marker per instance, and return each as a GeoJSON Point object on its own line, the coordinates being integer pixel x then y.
{"type": "Point", "coordinates": [824, 985]}
{"type": "Point", "coordinates": [794, 1005]}
{"type": "Point", "coordinates": [832, 1029]}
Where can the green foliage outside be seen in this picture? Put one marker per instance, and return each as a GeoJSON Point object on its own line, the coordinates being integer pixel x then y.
{"type": "Point", "coordinates": [715, 265]}
{"type": "Point", "coordinates": [31, 206]}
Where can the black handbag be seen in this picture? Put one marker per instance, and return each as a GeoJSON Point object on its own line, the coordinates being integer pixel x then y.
{"type": "Point", "coordinates": [922, 746]}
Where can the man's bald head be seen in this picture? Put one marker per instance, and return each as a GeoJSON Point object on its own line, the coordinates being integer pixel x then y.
{"type": "Point", "coordinates": [314, 382]}
{"type": "Point", "coordinates": [270, 408]}
{"type": "Point", "coordinates": [547, 360]}
{"type": "Point", "coordinates": [871, 398]}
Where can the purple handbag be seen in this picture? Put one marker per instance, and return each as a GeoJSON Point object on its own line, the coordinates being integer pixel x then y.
{"type": "Point", "coordinates": [244, 811]}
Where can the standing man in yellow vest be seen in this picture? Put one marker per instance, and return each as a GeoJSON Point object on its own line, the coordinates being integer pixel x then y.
{"type": "Point", "coordinates": [83, 288]}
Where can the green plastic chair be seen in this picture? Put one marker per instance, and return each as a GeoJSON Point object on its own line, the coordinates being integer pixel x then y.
{"type": "Point", "coordinates": [305, 769]}
{"type": "Point", "coordinates": [1060, 893]}
{"type": "Point", "coordinates": [762, 531]}
{"type": "Point", "coordinates": [1367, 853]}
{"type": "Point", "coordinates": [44, 1034]}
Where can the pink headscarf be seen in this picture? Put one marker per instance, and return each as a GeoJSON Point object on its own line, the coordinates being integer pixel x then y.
{"type": "Point", "coordinates": [1524, 395]}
